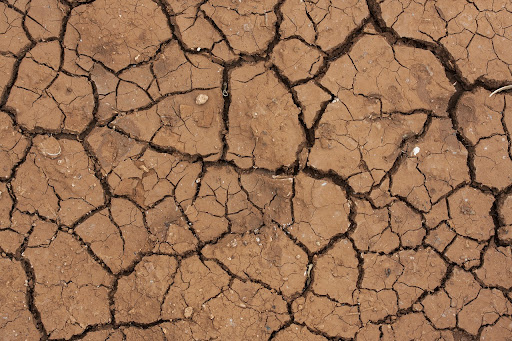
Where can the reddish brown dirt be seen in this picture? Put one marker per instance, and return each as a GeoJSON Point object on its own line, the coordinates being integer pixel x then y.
{"type": "Point", "coordinates": [255, 170]}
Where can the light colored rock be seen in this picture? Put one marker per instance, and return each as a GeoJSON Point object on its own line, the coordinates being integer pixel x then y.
{"type": "Point", "coordinates": [201, 99]}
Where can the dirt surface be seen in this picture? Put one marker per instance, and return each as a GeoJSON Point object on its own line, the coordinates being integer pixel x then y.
{"type": "Point", "coordinates": [255, 170]}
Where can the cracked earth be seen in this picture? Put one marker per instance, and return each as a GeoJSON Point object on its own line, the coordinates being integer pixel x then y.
{"type": "Point", "coordinates": [255, 170]}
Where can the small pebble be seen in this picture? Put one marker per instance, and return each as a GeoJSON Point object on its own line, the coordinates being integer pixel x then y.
{"type": "Point", "coordinates": [415, 151]}
{"type": "Point", "coordinates": [188, 312]}
{"type": "Point", "coordinates": [50, 147]}
{"type": "Point", "coordinates": [201, 99]}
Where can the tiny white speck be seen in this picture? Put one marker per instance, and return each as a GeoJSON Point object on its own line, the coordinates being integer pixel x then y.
{"type": "Point", "coordinates": [415, 151]}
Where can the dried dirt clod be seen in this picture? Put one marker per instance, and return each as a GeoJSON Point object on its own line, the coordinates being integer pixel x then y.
{"type": "Point", "coordinates": [50, 147]}
{"type": "Point", "coordinates": [336, 273]}
{"type": "Point", "coordinates": [497, 267]}
{"type": "Point", "coordinates": [201, 99]}
{"type": "Point", "coordinates": [269, 256]}
{"type": "Point", "coordinates": [296, 60]}
{"type": "Point", "coordinates": [190, 123]}
{"type": "Point", "coordinates": [372, 232]}
{"type": "Point", "coordinates": [63, 188]}
{"type": "Point", "coordinates": [148, 284]}
{"type": "Point", "coordinates": [169, 229]}
{"type": "Point", "coordinates": [470, 213]}
{"type": "Point", "coordinates": [493, 162]}
{"type": "Point", "coordinates": [312, 97]}
{"type": "Point", "coordinates": [479, 115]}
{"type": "Point", "coordinates": [264, 121]}
{"type": "Point", "coordinates": [439, 310]}
{"type": "Point", "coordinates": [464, 252]}
{"type": "Point", "coordinates": [321, 211]}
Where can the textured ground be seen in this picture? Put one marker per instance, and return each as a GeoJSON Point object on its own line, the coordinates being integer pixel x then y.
{"type": "Point", "coordinates": [348, 176]}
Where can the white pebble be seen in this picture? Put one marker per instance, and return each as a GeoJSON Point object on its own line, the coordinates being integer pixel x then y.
{"type": "Point", "coordinates": [201, 99]}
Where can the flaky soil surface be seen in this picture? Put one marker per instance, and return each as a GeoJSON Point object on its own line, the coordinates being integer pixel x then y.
{"type": "Point", "coordinates": [255, 170]}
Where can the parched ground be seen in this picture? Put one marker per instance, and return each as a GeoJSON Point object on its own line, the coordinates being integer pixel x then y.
{"type": "Point", "coordinates": [255, 170]}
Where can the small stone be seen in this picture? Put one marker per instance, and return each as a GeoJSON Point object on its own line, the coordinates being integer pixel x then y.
{"type": "Point", "coordinates": [201, 99]}
{"type": "Point", "coordinates": [188, 312]}
{"type": "Point", "coordinates": [415, 151]}
{"type": "Point", "coordinates": [50, 148]}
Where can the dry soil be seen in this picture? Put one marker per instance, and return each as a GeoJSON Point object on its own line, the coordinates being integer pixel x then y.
{"type": "Point", "coordinates": [255, 170]}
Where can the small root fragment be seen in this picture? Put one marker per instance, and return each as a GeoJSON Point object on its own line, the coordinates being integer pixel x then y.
{"type": "Point", "coordinates": [503, 88]}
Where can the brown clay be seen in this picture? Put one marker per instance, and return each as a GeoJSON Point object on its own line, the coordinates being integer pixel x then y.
{"type": "Point", "coordinates": [255, 170]}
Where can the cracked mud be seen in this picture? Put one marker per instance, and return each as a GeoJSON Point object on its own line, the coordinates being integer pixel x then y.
{"type": "Point", "coordinates": [255, 170]}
